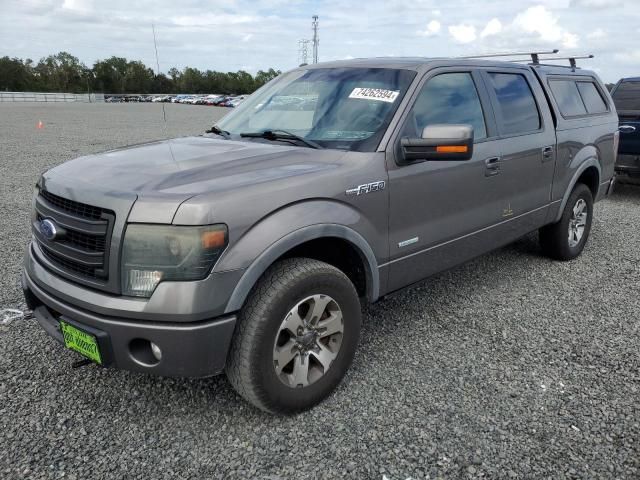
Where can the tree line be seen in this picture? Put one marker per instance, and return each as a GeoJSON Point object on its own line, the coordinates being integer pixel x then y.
{"type": "Point", "coordinates": [63, 72]}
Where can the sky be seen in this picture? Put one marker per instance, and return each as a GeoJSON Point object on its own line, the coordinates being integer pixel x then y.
{"type": "Point", "coordinates": [230, 35]}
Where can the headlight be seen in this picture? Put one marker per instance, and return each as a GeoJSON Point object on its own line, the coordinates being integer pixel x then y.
{"type": "Point", "coordinates": [154, 253]}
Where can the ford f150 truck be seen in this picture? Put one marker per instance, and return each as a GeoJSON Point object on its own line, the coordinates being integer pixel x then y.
{"type": "Point", "coordinates": [626, 96]}
{"type": "Point", "coordinates": [249, 249]}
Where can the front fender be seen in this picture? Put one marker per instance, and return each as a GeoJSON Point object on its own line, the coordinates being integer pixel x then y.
{"type": "Point", "coordinates": [278, 233]}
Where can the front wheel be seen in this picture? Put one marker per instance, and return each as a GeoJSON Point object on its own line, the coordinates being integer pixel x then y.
{"type": "Point", "coordinates": [296, 336]}
{"type": "Point", "coordinates": [566, 239]}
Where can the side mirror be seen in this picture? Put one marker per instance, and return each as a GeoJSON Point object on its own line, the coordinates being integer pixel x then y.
{"type": "Point", "coordinates": [439, 142]}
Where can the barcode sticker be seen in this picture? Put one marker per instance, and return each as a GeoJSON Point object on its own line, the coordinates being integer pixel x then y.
{"type": "Point", "coordinates": [378, 94]}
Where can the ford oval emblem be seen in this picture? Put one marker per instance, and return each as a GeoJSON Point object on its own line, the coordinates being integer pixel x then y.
{"type": "Point", "coordinates": [48, 229]}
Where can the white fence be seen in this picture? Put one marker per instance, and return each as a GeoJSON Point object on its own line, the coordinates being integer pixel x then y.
{"type": "Point", "coordinates": [51, 97]}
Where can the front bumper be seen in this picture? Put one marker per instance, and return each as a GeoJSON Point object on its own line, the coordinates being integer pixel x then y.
{"type": "Point", "coordinates": [191, 349]}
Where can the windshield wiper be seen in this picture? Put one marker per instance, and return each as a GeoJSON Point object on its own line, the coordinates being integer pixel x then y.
{"type": "Point", "coordinates": [215, 129]}
{"type": "Point", "coordinates": [281, 135]}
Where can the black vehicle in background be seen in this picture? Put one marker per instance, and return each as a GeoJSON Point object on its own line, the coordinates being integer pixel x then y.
{"type": "Point", "coordinates": [626, 96]}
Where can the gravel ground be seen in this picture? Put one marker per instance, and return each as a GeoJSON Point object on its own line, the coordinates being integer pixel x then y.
{"type": "Point", "coordinates": [509, 366]}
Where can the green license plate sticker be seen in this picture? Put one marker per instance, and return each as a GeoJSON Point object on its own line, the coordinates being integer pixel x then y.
{"type": "Point", "coordinates": [82, 342]}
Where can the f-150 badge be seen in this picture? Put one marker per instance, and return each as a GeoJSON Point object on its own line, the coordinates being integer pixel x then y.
{"type": "Point", "coordinates": [367, 188]}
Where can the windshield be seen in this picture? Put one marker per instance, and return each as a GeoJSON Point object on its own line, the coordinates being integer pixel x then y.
{"type": "Point", "coordinates": [627, 96]}
{"type": "Point", "coordinates": [343, 108]}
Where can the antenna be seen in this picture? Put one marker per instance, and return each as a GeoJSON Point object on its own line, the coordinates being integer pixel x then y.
{"type": "Point", "coordinates": [164, 113]}
{"type": "Point", "coordinates": [155, 46]}
{"type": "Point", "coordinates": [316, 39]}
{"type": "Point", "coordinates": [535, 56]}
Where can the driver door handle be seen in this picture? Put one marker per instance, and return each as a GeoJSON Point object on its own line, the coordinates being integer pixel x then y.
{"type": "Point", "coordinates": [627, 128]}
{"type": "Point", "coordinates": [492, 166]}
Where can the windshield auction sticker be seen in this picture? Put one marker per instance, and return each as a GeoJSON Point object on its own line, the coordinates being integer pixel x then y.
{"type": "Point", "coordinates": [378, 94]}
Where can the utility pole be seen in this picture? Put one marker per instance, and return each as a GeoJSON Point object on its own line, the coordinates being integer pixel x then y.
{"type": "Point", "coordinates": [316, 39]}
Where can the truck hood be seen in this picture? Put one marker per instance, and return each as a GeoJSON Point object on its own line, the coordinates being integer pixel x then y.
{"type": "Point", "coordinates": [168, 172]}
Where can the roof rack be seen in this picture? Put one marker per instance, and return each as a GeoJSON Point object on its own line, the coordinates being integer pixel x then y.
{"type": "Point", "coordinates": [572, 60]}
{"type": "Point", "coordinates": [535, 56]}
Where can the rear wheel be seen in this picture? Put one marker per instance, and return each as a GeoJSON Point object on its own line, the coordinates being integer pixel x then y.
{"type": "Point", "coordinates": [566, 239]}
{"type": "Point", "coordinates": [296, 336]}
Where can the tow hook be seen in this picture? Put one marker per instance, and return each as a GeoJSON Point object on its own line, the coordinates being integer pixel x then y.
{"type": "Point", "coordinates": [81, 363]}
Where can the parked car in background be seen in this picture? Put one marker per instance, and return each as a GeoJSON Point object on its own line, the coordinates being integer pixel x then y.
{"type": "Point", "coordinates": [250, 249]}
{"type": "Point", "coordinates": [213, 99]}
{"type": "Point", "coordinates": [235, 102]}
{"type": "Point", "coordinates": [626, 95]}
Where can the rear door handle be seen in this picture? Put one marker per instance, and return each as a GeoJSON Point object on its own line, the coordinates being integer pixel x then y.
{"type": "Point", "coordinates": [627, 128]}
{"type": "Point", "coordinates": [492, 166]}
{"type": "Point", "coordinates": [547, 153]}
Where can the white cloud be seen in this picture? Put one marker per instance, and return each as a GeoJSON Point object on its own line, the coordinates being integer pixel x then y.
{"type": "Point", "coordinates": [493, 28]}
{"type": "Point", "coordinates": [597, 34]}
{"type": "Point", "coordinates": [463, 33]}
{"type": "Point", "coordinates": [542, 23]}
{"type": "Point", "coordinates": [597, 3]}
{"type": "Point", "coordinates": [433, 28]}
{"type": "Point", "coordinates": [210, 19]}
{"type": "Point", "coordinates": [570, 40]}
{"type": "Point", "coordinates": [77, 5]}
{"type": "Point", "coordinates": [247, 37]}
{"type": "Point", "coordinates": [436, 13]}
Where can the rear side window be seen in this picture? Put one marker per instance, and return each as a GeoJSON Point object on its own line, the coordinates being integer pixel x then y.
{"type": "Point", "coordinates": [592, 98]}
{"type": "Point", "coordinates": [627, 96]}
{"type": "Point", "coordinates": [567, 97]}
{"type": "Point", "coordinates": [516, 104]}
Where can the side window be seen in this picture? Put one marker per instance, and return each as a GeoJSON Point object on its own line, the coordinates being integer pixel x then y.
{"type": "Point", "coordinates": [592, 98]}
{"type": "Point", "coordinates": [627, 96]}
{"type": "Point", "coordinates": [516, 103]}
{"type": "Point", "coordinates": [567, 97]}
{"type": "Point", "coordinates": [448, 98]}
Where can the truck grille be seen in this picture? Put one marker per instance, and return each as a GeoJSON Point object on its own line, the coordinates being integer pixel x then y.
{"type": "Point", "coordinates": [71, 207]}
{"type": "Point", "coordinates": [80, 250]}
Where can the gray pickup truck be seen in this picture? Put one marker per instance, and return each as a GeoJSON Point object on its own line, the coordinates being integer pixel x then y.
{"type": "Point", "coordinates": [248, 250]}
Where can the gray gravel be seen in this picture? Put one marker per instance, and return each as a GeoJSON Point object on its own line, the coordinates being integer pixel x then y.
{"type": "Point", "coordinates": [509, 366]}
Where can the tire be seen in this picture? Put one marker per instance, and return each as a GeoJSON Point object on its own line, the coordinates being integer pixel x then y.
{"type": "Point", "coordinates": [269, 333]}
{"type": "Point", "coordinates": [555, 239]}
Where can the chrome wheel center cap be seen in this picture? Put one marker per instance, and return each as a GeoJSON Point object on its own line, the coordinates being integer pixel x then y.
{"type": "Point", "coordinates": [307, 340]}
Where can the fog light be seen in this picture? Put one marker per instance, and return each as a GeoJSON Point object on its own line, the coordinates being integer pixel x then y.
{"type": "Point", "coordinates": [155, 349]}
{"type": "Point", "coordinates": [142, 282]}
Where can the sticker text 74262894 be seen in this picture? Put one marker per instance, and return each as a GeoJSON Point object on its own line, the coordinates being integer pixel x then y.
{"type": "Point", "coordinates": [378, 94]}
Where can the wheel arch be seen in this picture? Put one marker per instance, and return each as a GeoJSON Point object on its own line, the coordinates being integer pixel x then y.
{"type": "Point", "coordinates": [297, 239]}
{"type": "Point", "coordinates": [589, 172]}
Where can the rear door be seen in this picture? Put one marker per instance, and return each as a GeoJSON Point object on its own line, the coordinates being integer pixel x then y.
{"type": "Point", "coordinates": [527, 141]}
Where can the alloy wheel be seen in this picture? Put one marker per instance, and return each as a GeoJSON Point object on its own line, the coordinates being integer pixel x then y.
{"type": "Point", "coordinates": [577, 222]}
{"type": "Point", "coordinates": [308, 341]}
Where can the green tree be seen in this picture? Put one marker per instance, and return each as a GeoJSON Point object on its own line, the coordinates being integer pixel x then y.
{"type": "Point", "coordinates": [61, 72]}
{"type": "Point", "coordinates": [15, 75]}
{"type": "Point", "coordinates": [263, 77]}
{"type": "Point", "coordinates": [138, 78]}
{"type": "Point", "coordinates": [110, 75]}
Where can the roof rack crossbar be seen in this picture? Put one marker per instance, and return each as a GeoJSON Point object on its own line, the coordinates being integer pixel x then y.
{"type": "Point", "coordinates": [572, 60]}
{"type": "Point", "coordinates": [535, 56]}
